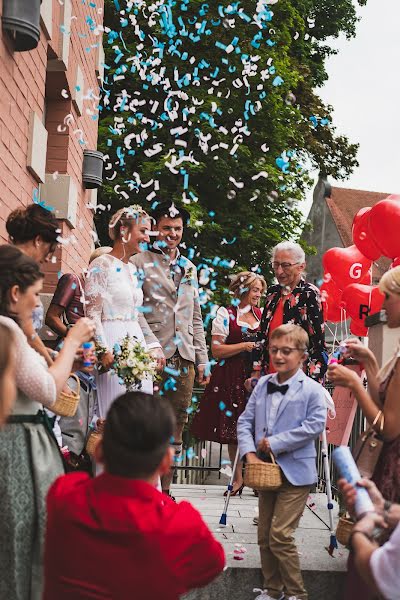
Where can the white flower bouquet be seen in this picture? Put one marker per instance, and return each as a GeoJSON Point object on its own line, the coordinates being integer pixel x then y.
{"type": "Point", "coordinates": [133, 363]}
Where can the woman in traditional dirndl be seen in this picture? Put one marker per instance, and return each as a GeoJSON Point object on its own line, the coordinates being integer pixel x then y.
{"type": "Point", "coordinates": [235, 345]}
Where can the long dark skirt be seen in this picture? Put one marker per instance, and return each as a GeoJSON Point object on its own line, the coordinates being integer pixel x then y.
{"type": "Point", "coordinates": [29, 464]}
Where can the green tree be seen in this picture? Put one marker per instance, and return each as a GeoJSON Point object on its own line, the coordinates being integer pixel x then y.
{"type": "Point", "coordinates": [215, 104]}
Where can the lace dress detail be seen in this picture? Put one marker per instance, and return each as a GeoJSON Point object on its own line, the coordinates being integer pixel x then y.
{"type": "Point", "coordinates": [112, 296]}
{"type": "Point", "coordinates": [112, 293]}
{"type": "Point", "coordinates": [32, 376]}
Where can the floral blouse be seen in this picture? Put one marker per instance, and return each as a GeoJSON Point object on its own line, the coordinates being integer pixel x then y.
{"type": "Point", "coordinates": [302, 307]}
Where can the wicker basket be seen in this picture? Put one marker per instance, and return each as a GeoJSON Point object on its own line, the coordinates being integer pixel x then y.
{"type": "Point", "coordinates": [343, 530]}
{"type": "Point", "coordinates": [67, 403]}
{"type": "Point", "coordinates": [263, 476]}
{"type": "Point", "coordinates": [92, 442]}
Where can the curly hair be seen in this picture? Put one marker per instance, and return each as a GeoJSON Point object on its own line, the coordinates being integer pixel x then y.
{"type": "Point", "coordinates": [25, 224]}
{"type": "Point", "coordinates": [16, 268]}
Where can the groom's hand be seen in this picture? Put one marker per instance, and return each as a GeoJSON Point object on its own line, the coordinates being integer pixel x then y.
{"type": "Point", "coordinates": [160, 359]}
{"type": "Point", "coordinates": [202, 378]}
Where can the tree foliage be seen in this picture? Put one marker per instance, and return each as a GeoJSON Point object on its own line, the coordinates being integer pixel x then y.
{"type": "Point", "coordinates": [274, 123]}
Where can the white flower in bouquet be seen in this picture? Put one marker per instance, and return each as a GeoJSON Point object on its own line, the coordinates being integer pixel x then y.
{"type": "Point", "coordinates": [133, 362]}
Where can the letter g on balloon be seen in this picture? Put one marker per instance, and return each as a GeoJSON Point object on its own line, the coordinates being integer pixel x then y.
{"type": "Point", "coordinates": [346, 265]}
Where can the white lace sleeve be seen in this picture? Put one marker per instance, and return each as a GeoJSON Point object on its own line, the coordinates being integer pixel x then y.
{"type": "Point", "coordinates": [32, 375]}
{"type": "Point", "coordinates": [220, 325]}
{"type": "Point", "coordinates": [95, 287]}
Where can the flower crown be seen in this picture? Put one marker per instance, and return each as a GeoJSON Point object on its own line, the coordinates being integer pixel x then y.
{"type": "Point", "coordinates": [131, 212]}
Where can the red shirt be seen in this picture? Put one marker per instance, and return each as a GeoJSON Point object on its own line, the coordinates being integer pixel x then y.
{"type": "Point", "coordinates": [113, 538]}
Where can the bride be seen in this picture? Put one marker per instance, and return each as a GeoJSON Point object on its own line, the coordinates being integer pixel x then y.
{"type": "Point", "coordinates": [113, 295]}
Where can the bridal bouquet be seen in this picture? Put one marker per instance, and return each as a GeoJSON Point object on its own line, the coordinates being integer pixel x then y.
{"type": "Point", "coordinates": [133, 363]}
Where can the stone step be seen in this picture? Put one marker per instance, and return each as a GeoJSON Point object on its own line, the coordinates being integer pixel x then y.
{"type": "Point", "coordinates": [238, 584]}
{"type": "Point", "coordinates": [323, 574]}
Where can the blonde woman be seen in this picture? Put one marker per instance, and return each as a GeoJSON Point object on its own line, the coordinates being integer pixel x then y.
{"type": "Point", "coordinates": [114, 295]}
{"type": "Point", "coordinates": [233, 342]}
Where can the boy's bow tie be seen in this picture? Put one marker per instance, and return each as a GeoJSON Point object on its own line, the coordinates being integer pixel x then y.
{"type": "Point", "coordinates": [272, 387]}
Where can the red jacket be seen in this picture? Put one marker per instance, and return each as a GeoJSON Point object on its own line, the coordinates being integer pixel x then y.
{"type": "Point", "coordinates": [120, 539]}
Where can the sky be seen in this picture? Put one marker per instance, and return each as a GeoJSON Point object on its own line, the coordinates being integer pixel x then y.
{"type": "Point", "coordinates": [364, 89]}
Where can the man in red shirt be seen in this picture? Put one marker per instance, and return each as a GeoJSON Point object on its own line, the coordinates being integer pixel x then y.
{"type": "Point", "coordinates": [116, 537]}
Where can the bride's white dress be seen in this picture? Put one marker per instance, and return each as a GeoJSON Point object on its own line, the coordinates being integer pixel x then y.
{"type": "Point", "coordinates": [112, 294]}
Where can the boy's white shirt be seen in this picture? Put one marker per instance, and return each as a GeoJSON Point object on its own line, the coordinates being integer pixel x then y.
{"type": "Point", "coordinates": [276, 399]}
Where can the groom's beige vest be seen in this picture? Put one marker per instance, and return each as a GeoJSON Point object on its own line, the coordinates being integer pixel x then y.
{"type": "Point", "coordinates": [173, 315]}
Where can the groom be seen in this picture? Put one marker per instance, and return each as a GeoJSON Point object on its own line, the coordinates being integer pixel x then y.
{"type": "Point", "coordinates": [172, 310]}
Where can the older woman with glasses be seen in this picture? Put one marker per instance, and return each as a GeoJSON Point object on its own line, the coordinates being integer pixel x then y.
{"type": "Point", "coordinates": [293, 300]}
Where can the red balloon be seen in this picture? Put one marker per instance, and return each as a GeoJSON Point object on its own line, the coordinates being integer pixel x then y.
{"type": "Point", "coordinates": [384, 225]}
{"type": "Point", "coordinates": [346, 265]}
{"type": "Point", "coordinates": [362, 300]}
{"type": "Point", "coordinates": [362, 237]}
{"type": "Point", "coordinates": [358, 328]}
{"type": "Point", "coordinates": [367, 279]}
{"type": "Point", "coordinates": [331, 298]}
{"type": "Point", "coordinates": [395, 263]}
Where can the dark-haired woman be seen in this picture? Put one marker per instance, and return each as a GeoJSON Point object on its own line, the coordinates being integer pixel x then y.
{"type": "Point", "coordinates": [34, 230]}
{"type": "Point", "coordinates": [29, 456]}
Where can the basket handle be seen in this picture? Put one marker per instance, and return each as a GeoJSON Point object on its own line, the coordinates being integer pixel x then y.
{"type": "Point", "coordinates": [272, 457]}
{"type": "Point", "coordinates": [78, 382]}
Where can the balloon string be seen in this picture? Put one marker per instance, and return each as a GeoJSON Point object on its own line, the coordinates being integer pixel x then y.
{"type": "Point", "coordinates": [346, 331]}
{"type": "Point", "coordinates": [334, 336]}
{"type": "Point", "coordinates": [370, 294]}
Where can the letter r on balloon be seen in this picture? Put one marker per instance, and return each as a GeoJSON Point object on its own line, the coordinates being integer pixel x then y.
{"type": "Point", "coordinates": [364, 311]}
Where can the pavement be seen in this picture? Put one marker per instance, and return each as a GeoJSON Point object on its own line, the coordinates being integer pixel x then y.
{"type": "Point", "coordinates": [323, 574]}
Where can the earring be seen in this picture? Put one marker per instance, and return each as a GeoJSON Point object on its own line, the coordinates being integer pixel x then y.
{"type": "Point", "coordinates": [123, 239]}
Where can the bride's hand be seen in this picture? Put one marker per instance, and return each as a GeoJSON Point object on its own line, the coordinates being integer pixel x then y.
{"type": "Point", "coordinates": [107, 361]}
{"type": "Point", "coordinates": [160, 359]}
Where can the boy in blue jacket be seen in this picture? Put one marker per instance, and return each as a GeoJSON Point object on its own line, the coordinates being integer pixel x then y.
{"type": "Point", "coordinates": [285, 414]}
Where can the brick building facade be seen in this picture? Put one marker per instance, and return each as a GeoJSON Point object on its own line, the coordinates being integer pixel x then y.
{"type": "Point", "coordinates": [48, 116]}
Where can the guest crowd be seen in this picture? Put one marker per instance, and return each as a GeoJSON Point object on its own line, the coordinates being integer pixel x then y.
{"type": "Point", "coordinates": [263, 398]}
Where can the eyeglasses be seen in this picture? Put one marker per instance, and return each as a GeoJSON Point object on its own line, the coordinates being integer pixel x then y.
{"type": "Point", "coordinates": [286, 351]}
{"type": "Point", "coordinates": [286, 266]}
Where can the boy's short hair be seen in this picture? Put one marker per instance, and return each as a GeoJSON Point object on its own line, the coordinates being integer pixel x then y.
{"type": "Point", "coordinates": [137, 433]}
{"type": "Point", "coordinates": [296, 333]}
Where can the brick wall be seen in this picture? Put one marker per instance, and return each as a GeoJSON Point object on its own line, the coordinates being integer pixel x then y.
{"type": "Point", "coordinates": [27, 83]}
